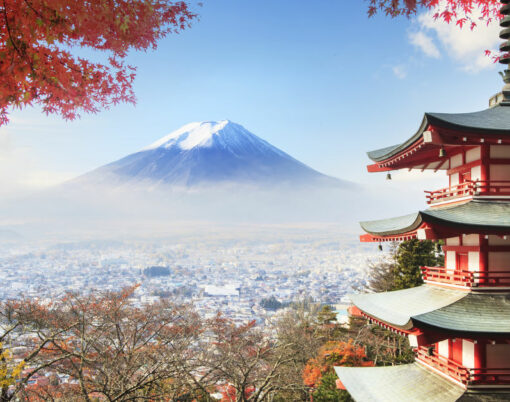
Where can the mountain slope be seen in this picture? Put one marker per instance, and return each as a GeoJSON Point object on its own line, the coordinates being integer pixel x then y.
{"type": "Point", "coordinates": [208, 153]}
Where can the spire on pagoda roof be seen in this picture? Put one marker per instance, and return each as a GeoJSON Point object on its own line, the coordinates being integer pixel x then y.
{"type": "Point", "coordinates": [505, 50]}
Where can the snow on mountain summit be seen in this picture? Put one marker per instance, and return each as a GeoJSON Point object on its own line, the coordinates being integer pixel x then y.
{"type": "Point", "coordinates": [206, 134]}
{"type": "Point", "coordinates": [191, 135]}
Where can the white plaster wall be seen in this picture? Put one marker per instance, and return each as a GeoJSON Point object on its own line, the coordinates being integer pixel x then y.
{"type": "Point", "coordinates": [453, 241]}
{"type": "Point", "coordinates": [450, 260]}
{"type": "Point", "coordinates": [455, 160]}
{"type": "Point", "coordinates": [476, 173]}
{"type": "Point", "coordinates": [498, 356]}
{"type": "Point", "coordinates": [468, 354]}
{"type": "Point", "coordinates": [454, 179]}
{"type": "Point", "coordinates": [473, 154]}
{"type": "Point", "coordinates": [442, 348]}
{"type": "Point", "coordinates": [471, 240]}
{"type": "Point", "coordinates": [473, 260]}
{"type": "Point", "coordinates": [500, 151]}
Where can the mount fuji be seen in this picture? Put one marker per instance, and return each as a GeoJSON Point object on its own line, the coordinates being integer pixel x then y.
{"type": "Point", "coordinates": [210, 153]}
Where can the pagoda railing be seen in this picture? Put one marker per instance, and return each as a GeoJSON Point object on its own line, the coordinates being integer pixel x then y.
{"type": "Point", "coordinates": [469, 188]}
{"type": "Point", "coordinates": [460, 190]}
{"type": "Point", "coordinates": [489, 376]}
{"type": "Point", "coordinates": [467, 376]}
{"type": "Point", "coordinates": [466, 278]}
{"type": "Point", "coordinates": [443, 364]}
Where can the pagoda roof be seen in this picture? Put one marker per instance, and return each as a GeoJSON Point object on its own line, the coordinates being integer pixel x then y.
{"type": "Point", "coordinates": [398, 307]}
{"type": "Point", "coordinates": [439, 307]}
{"type": "Point", "coordinates": [476, 215]}
{"type": "Point", "coordinates": [495, 121]}
{"type": "Point", "coordinates": [407, 382]}
{"type": "Point", "coordinates": [448, 132]}
{"type": "Point", "coordinates": [474, 313]}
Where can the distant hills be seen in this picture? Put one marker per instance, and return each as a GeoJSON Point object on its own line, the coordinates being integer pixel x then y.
{"type": "Point", "coordinates": [209, 153]}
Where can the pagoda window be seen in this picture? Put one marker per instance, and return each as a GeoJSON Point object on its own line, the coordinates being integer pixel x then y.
{"type": "Point", "coordinates": [451, 260]}
{"type": "Point", "coordinates": [500, 151]}
{"type": "Point", "coordinates": [473, 261]}
{"type": "Point", "coordinates": [471, 240]}
{"type": "Point", "coordinates": [498, 356]}
{"type": "Point", "coordinates": [499, 241]}
{"type": "Point", "coordinates": [453, 241]}
{"type": "Point", "coordinates": [443, 348]}
{"type": "Point", "coordinates": [468, 354]}
{"type": "Point", "coordinates": [499, 176]}
{"type": "Point", "coordinates": [476, 173]}
{"type": "Point", "coordinates": [499, 261]}
{"type": "Point", "coordinates": [456, 161]}
{"type": "Point", "coordinates": [473, 154]}
{"type": "Point", "coordinates": [454, 179]}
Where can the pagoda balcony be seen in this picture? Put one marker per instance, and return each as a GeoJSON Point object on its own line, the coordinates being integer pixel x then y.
{"type": "Point", "coordinates": [470, 377]}
{"type": "Point", "coordinates": [446, 366]}
{"type": "Point", "coordinates": [466, 279]}
{"type": "Point", "coordinates": [469, 189]}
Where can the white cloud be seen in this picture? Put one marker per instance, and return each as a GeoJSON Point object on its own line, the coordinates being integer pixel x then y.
{"type": "Point", "coordinates": [399, 71]}
{"type": "Point", "coordinates": [464, 45]}
{"type": "Point", "coordinates": [425, 43]}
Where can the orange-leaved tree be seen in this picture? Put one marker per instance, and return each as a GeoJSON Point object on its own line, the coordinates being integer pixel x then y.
{"type": "Point", "coordinates": [459, 11]}
{"type": "Point", "coordinates": [37, 36]}
{"type": "Point", "coordinates": [331, 354]}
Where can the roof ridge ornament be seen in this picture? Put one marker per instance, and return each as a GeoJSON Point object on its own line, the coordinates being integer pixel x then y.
{"type": "Point", "coordinates": [503, 98]}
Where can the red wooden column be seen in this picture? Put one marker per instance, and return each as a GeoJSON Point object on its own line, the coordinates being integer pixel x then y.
{"type": "Point", "coordinates": [485, 171]}
{"type": "Point", "coordinates": [483, 263]}
{"type": "Point", "coordinates": [480, 358]}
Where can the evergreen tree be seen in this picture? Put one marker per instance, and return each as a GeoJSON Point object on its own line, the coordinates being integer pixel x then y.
{"type": "Point", "coordinates": [401, 268]}
{"type": "Point", "coordinates": [409, 257]}
{"type": "Point", "coordinates": [328, 392]}
{"type": "Point", "coordinates": [326, 315]}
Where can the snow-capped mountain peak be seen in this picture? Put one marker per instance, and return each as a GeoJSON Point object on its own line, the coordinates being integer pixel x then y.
{"type": "Point", "coordinates": [208, 152]}
{"type": "Point", "coordinates": [198, 134]}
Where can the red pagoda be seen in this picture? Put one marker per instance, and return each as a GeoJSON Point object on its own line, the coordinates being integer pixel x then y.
{"type": "Point", "coordinates": [458, 321]}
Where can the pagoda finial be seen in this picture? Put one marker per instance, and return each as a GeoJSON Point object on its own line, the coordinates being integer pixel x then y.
{"type": "Point", "coordinates": [505, 48]}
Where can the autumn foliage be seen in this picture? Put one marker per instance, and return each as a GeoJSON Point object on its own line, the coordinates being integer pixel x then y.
{"type": "Point", "coordinates": [334, 353]}
{"type": "Point", "coordinates": [37, 37]}
{"type": "Point", "coordinates": [458, 11]}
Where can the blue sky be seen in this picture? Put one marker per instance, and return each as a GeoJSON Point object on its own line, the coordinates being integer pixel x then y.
{"type": "Point", "coordinates": [319, 80]}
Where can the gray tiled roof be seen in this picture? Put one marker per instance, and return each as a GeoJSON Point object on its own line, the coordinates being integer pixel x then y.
{"type": "Point", "coordinates": [398, 307]}
{"type": "Point", "coordinates": [391, 226]}
{"type": "Point", "coordinates": [487, 214]}
{"type": "Point", "coordinates": [404, 383]}
{"type": "Point", "coordinates": [444, 308]}
{"type": "Point", "coordinates": [482, 313]}
{"type": "Point", "coordinates": [476, 214]}
{"type": "Point", "coordinates": [495, 120]}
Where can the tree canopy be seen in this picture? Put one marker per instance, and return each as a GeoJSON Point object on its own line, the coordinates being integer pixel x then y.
{"type": "Point", "coordinates": [37, 37]}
